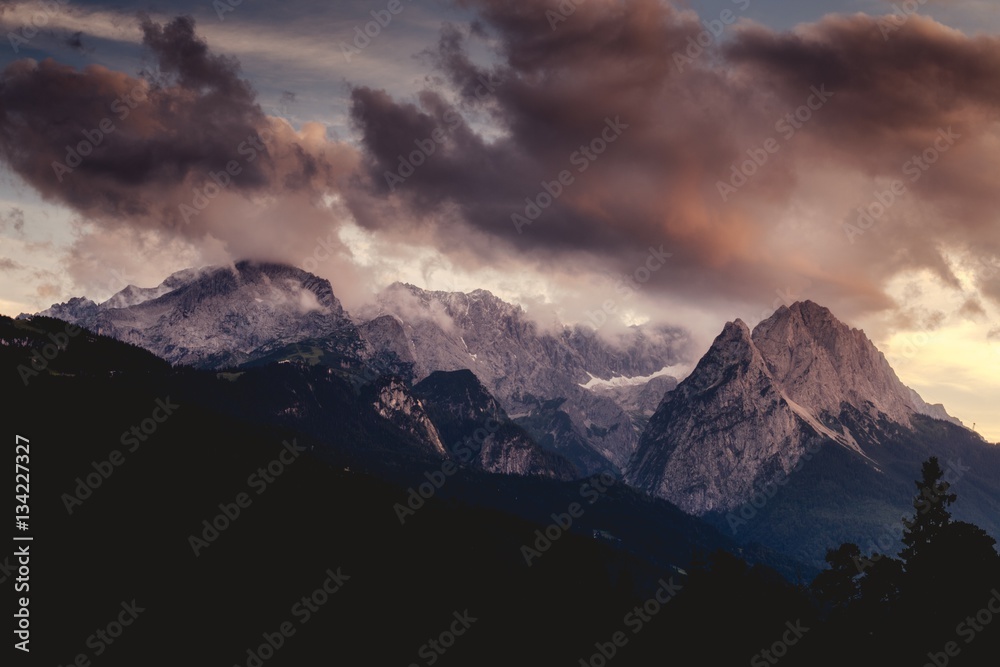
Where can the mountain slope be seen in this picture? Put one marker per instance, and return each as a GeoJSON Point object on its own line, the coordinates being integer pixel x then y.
{"type": "Point", "coordinates": [536, 375]}
{"type": "Point", "coordinates": [802, 391]}
{"type": "Point", "coordinates": [820, 362]}
{"type": "Point", "coordinates": [719, 430]}
{"type": "Point", "coordinates": [460, 406]}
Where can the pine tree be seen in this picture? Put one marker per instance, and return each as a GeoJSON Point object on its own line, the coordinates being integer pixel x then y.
{"type": "Point", "coordinates": [932, 515]}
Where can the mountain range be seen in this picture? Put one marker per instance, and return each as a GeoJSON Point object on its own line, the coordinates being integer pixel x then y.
{"type": "Point", "coordinates": [795, 436]}
{"type": "Point", "coordinates": [252, 313]}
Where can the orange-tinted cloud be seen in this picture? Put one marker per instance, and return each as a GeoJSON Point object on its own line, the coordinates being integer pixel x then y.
{"type": "Point", "coordinates": [595, 120]}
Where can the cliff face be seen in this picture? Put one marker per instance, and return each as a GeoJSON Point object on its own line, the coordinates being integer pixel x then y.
{"type": "Point", "coordinates": [470, 419]}
{"type": "Point", "coordinates": [393, 401]}
{"type": "Point", "coordinates": [750, 408]}
{"type": "Point", "coordinates": [720, 429]}
{"type": "Point", "coordinates": [822, 363]}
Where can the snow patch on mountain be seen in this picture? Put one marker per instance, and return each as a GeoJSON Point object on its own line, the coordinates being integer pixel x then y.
{"type": "Point", "coordinates": [678, 372]}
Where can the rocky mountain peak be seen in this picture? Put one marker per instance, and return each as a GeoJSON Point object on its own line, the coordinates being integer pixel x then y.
{"type": "Point", "coordinates": [756, 398]}
{"type": "Point", "coordinates": [710, 437]}
{"type": "Point", "coordinates": [393, 401]}
{"type": "Point", "coordinates": [735, 333]}
{"type": "Point", "coordinates": [822, 363]}
{"type": "Point", "coordinates": [217, 316]}
{"type": "Point", "coordinates": [73, 311]}
{"type": "Point", "coordinates": [810, 310]}
{"type": "Point", "coordinates": [732, 353]}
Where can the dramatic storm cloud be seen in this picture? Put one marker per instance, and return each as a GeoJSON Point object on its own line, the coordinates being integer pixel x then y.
{"type": "Point", "coordinates": [595, 160]}
{"type": "Point", "coordinates": [832, 157]}
{"type": "Point", "coordinates": [183, 151]}
{"type": "Point", "coordinates": [749, 161]}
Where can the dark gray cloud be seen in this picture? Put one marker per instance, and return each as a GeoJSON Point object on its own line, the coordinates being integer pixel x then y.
{"type": "Point", "coordinates": [618, 99]}
{"type": "Point", "coordinates": [132, 149]}
{"type": "Point", "coordinates": [882, 103]}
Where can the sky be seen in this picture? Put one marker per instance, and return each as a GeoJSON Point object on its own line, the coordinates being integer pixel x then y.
{"type": "Point", "coordinates": [628, 161]}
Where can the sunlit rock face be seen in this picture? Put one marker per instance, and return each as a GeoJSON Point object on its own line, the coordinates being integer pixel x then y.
{"type": "Point", "coordinates": [755, 401]}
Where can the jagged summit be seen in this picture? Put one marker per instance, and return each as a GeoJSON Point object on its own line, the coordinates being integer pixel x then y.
{"type": "Point", "coordinates": [707, 442]}
{"type": "Point", "coordinates": [216, 316]}
{"type": "Point", "coordinates": [536, 374]}
{"type": "Point", "coordinates": [256, 312]}
{"type": "Point", "coordinates": [737, 330]}
{"type": "Point", "coordinates": [403, 298]}
{"type": "Point", "coordinates": [410, 287]}
{"type": "Point", "coordinates": [822, 363]}
{"type": "Point", "coordinates": [76, 309]}
{"type": "Point", "coordinates": [756, 398]}
{"type": "Point", "coordinates": [133, 295]}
